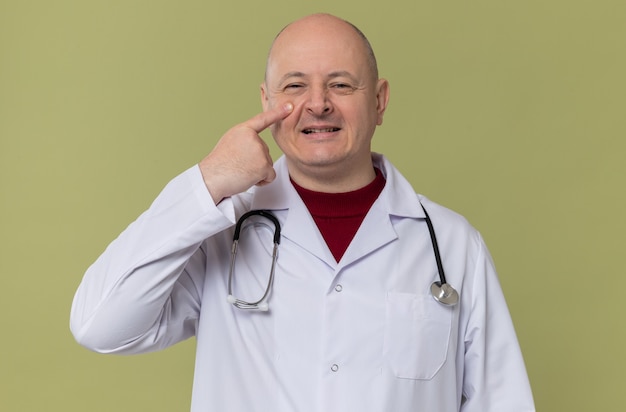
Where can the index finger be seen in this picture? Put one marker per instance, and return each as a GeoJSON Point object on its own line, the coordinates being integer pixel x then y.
{"type": "Point", "coordinates": [264, 120]}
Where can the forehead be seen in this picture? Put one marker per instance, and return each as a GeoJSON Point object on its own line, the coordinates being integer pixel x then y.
{"type": "Point", "coordinates": [321, 45]}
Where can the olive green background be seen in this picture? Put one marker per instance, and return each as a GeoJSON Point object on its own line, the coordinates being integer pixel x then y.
{"type": "Point", "coordinates": [510, 112]}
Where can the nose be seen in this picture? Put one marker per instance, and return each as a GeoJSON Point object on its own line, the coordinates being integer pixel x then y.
{"type": "Point", "coordinates": [318, 103]}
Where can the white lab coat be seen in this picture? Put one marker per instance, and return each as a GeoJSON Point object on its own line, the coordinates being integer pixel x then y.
{"type": "Point", "coordinates": [363, 334]}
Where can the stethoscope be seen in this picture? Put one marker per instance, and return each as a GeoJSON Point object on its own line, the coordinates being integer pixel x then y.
{"type": "Point", "coordinates": [440, 290]}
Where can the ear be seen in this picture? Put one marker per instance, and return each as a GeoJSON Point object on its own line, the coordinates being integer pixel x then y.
{"type": "Point", "coordinates": [382, 99]}
{"type": "Point", "coordinates": [264, 97]}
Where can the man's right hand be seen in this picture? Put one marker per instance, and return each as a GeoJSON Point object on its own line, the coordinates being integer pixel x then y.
{"type": "Point", "coordinates": [241, 159]}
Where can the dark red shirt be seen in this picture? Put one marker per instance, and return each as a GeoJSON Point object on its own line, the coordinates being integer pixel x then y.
{"type": "Point", "coordinates": [339, 215]}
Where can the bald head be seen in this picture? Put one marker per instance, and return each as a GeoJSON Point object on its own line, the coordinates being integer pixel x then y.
{"type": "Point", "coordinates": [324, 68]}
{"type": "Point", "coordinates": [319, 23]}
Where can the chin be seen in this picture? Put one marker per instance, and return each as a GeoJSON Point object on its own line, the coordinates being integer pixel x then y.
{"type": "Point", "coordinates": [320, 160]}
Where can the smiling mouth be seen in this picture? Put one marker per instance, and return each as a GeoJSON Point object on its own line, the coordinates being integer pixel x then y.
{"type": "Point", "coordinates": [323, 130]}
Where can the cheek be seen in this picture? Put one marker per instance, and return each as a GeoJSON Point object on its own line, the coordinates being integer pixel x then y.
{"type": "Point", "coordinates": [282, 128]}
{"type": "Point", "coordinates": [285, 127]}
{"type": "Point", "coordinates": [289, 123]}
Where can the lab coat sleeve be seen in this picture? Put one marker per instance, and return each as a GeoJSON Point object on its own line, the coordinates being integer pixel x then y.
{"type": "Point", "coordinates": [143, 293]}
{"type": "Point", "coordinates": [495, 378]}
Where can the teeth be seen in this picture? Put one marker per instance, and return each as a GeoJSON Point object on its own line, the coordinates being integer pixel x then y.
{"type": "Point", "coordinates": [326, 130]}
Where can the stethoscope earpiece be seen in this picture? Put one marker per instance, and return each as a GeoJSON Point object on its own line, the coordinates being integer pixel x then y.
{"type": "Point", "coordinates": [444, 294]}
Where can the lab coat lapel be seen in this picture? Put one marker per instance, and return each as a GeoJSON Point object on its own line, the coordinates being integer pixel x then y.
{"type": "Point", "coordinates": [297, 223]}
{"type": "Point", "coordinates": [301, 229]}
{"type": "Point", "coordinates": [375, 232]}
{"type": "Point", "coordinates": [397, 199]}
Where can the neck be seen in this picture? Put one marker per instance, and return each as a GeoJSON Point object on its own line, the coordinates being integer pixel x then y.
{"type": "Point", "coordinates": [324, 180]}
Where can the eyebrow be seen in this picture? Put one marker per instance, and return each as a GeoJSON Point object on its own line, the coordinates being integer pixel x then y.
{"type": "Point", "coordinates": [332, 75]}
{"type": "Point", "coordinates": [291, 74]}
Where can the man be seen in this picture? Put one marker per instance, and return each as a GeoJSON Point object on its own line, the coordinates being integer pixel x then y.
{"type": "Point", "coordinates": [349, 323]}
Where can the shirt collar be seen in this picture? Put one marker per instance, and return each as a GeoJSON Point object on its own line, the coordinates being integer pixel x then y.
{"type": "Point", "coordinates": [397, 198]}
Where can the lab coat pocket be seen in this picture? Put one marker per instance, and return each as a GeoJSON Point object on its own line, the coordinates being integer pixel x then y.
{"type": "Point", "coordinates": [417, 335]}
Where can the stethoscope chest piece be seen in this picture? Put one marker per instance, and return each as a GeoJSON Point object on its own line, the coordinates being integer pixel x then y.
{"type": "Point", "coordinates": [444, 294]}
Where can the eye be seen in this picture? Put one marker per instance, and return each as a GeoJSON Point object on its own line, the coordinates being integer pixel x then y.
{"type": "Point", "coordinates": [343, 88]}
{"type": "Point", "coordinates": [293, 88]}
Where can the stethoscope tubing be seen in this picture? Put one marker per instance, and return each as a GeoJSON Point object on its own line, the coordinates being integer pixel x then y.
{"type": "Point", "coordinates": [259, 304]}
{"type": "Point", "coordinates": [441, 291]}
{"type": "Point", "coordinates": [433, 239]}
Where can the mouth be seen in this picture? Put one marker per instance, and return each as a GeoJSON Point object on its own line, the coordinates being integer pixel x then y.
{"type": "Point", "coordinates": [312, 130]}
